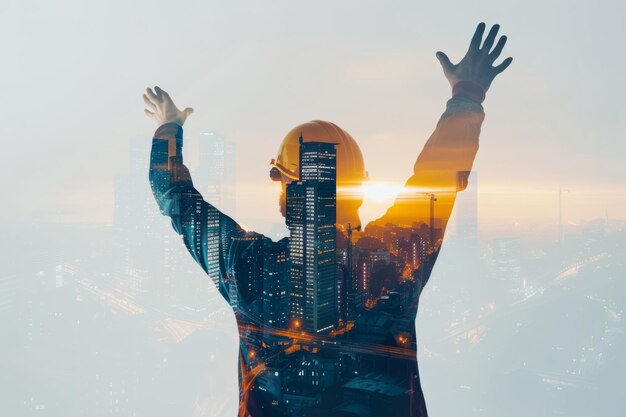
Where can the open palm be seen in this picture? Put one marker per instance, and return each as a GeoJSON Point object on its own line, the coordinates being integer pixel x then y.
{"type": "Point", "coordinates": [477, 64]}
{"type": "Point", "coordinates": [162, 108]}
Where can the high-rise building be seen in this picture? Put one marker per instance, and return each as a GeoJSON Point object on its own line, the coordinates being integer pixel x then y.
{"type": "Point", "coordinates": [216, 171]}
{"type": "Point", "coordinates": [247, 273]}
{"type": "Point", "coordinates": [311, 218]}
{"type": "Point", "coordinates": [275, 284]}
{"type": "Point", "coordinates": [351, 295]}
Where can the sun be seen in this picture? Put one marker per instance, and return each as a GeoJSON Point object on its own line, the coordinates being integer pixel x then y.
{"type": "Point", "coordinates": [380, 192]}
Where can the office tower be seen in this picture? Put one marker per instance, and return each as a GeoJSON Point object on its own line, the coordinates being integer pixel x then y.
{"type": "Point", "coordinates": [215, 177]}
{"type": "Point", "coordinates": [352, 295]}
{"type": "Point", "coordinates": [275, 284]}
{"type": "Point", "coordinates": [295, 219]}
{"type": "Point", "coordinates": [311, 217]}
{"type": "Point", "coordinates": [216, 171]}
{"type": "Point", "coordinates": [248, 272]}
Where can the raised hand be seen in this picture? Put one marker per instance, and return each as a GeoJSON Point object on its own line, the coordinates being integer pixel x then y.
{"type": "Point", "coordinates": [162, 109]}
{"type": "Point", "coordinates": [477, 64]}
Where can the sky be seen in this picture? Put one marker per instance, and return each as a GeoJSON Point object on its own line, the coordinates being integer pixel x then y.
{"type": "Point", "coordinates": [73, 72]}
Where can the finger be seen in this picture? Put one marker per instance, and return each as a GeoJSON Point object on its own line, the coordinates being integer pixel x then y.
{"type": "Point", "coordinates": [478, 37]}
{"type": "Point", "coordinates": [444, 61]}
{"type": "Point", "coordinates": [498, 49]}
{"type": "Point", "coordinates": [152, 96]}
{"type": "Point", "coordinates": [188, 111]}
{"type": "Point", "coordinates": [161, 93]}
{"type": "Point", "coordinates": [491, 37]}
{"type": "Point", "coordinates": [148, 113]}
{"type": "Point", "coordinates": [148, 102]}
{"type": "Point", "coordinates": [497, 70]}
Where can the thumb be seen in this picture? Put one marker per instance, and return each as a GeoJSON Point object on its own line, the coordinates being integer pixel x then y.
{"type": "Point", "coordinates": [444, 61]}
{"type": "Point", "coordinates": [188, 111]}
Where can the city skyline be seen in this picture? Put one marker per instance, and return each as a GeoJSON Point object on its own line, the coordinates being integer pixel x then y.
{"type": "Point", "coordinates": [497, 201]}
{"type": "Point", "coordinates": [104, 312]}
{"type": "Point", "coordinates": [185, 324]}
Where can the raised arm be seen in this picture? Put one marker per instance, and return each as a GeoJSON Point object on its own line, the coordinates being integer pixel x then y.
{"type": "Point", "coordinates": [206, 232]}
{"type": "Point", "coordinates": [442, 167]}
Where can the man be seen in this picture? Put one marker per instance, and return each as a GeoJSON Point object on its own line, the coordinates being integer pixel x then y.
{"type": "Point", "coordinates": [326, 324]}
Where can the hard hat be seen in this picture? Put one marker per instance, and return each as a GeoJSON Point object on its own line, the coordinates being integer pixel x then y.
{"type": "Point", "coordinates": [350, 166]}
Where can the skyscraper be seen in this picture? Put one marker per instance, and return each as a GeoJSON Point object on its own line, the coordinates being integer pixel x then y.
{"type": "Point", "coordinates": [275, 284]}
{"type": "Point", "coordinates": [311, 217]}
{"type": "Point", "coordinates": [216, 169]}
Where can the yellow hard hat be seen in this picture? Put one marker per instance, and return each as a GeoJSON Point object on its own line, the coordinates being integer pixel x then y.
{"type": "Point", "coordinates": [350, 166]}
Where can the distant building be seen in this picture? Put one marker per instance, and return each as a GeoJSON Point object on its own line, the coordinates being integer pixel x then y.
{"type": "Point", "coordinates": [368, 261]}
{"type": "Point", "coordinates": [217, 171]}
{"type": "Point", "coordinates": [413, 250]}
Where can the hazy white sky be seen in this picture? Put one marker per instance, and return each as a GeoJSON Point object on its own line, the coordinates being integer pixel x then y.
{"type": "Point", "coordinates": [73, 72]}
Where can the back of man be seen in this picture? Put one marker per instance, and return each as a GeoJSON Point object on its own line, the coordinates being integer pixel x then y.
{"type": "Point", "coordinates": [326, 317]}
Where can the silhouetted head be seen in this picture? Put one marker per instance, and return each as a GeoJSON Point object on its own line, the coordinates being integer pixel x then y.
{"type": "Point", "coordinates": [350, 167]}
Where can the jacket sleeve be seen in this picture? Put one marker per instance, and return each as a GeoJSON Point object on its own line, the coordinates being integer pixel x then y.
{"type": "Point", "coordinates": [206, 232]}
{"type": "Point", "coordinates": [441, 169]}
